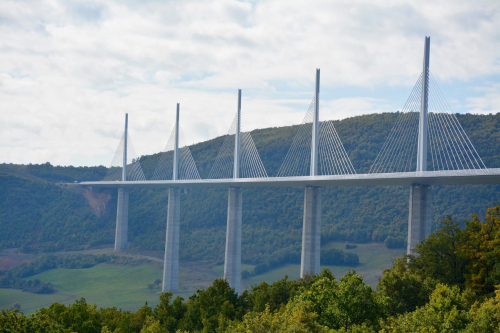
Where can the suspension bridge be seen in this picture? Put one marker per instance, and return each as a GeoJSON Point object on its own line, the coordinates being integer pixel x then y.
{"type": "Point", "coordinates": [426, 146]}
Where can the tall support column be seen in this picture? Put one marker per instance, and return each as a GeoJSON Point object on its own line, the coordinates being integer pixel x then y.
{"type": "Point", "coordinates": [311, 232]}
{"type": "Point", "coordinates": [122, 206]}
{"type": "Point", "coordinates": [419, 220]}
{"type": "Point", "coordinates": [171, 260]}
{"type": "Point", "coordinates": [121, 220]}
{"type": "Point", "coordinates": [311, 225]}
{"type": "Point", "coordinates": [232, 261]}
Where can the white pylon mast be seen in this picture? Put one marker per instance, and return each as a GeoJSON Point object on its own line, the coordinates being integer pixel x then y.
{"type": "Point", "coordinates": [236, 173]}
{"type": "Point", "coordinates": [124, 170]}
{"type": "Point", "coordinates": [314, 141]}
{"type": "Point", "coordinates": [175, 174]}
{"type": "Point", "coordinates": [422, 125]}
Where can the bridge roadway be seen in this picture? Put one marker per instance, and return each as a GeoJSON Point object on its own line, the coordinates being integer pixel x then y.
{"type": "Point", "coordinates": [449, 177]}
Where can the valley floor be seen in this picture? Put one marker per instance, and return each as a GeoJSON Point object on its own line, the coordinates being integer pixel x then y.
{"type": "Point", "coordinates": [125, 287]}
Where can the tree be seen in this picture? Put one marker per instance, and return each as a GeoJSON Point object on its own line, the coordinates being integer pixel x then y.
{"type": "Point", "coordinates": [318, 296]}
{"type": "Point", "coordinates": [290, 319]}
{"type": "Point", "coordinates": [486, 315]}
{"type": "Point", "coordinates": [78, 317]}
{"type": "Point", "coordinates": [152, 325]}
{"type": "Point", "coordinates": [272, 295]}
{"type": "Point", "coordinates": [139, 318]}
{"type": "Point", "coordinates": [447, 311]}
{"type": "Point", "coordinates": [355, 303]}
{"type": "Point", "coordinates": [402, 290]}
{"type": "Point", "coordinates": [341, 305]}
{"type": "Point", "coordinates": [13, 321]}
{"type": "Point", "coordinates": [207, 308]}
{"type": "Point", "coordinates": [440, 256]}
{"type": "Point", "coordinates": [467, 257]}
{"type": "Point", "coordinates": [169, 313]}
{"type": "Point", "coordinates": [157, 283]}
{"type": "Point", "coordinates": [483, 251]}
{"type": "Point", "coordinates": [150, 286]}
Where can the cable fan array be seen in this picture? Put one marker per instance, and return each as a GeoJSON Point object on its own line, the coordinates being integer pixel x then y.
{"type": "Point", "coordinates": [448, 146]}
{"type": "Point", "coordinates": [399, 152]}
{"type": "Point", "coordinates": [134, 170]}
{"type": "Point", "coordinates": [333, 158]}
{"type": "Point", "coordinates": [187, 167]}
{"type": "Point", "coordinates": [251, 165]}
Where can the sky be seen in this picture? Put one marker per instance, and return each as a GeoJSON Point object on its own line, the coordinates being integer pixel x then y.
{"type": "Point", "coordinates": [70, 70]}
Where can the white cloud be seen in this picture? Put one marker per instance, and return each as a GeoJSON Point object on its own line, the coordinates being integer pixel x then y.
{"type": "Point", "coordinates": [350, 107]}
{"type": "Point", "coordinates": [70, 70]}
{"type": "Point", "coordinates": [488, 103]}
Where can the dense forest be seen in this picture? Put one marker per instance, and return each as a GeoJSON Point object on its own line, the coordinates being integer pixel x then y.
{"type": "Point", "coordinates": [450, 284]}
{"type": "Point", "coordinates": [37, 214]}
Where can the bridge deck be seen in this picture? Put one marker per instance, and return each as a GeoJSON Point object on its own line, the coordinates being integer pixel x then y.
{"type": "Point", "coordinates": [481, 176]}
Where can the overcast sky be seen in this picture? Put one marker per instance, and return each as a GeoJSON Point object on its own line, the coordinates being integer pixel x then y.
{"type": "Point", "coordinates": [70, 70]}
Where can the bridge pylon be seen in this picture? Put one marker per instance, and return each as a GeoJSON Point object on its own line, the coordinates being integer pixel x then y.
{"type": "Point", "coordinates": [419, 219]}
{"type": "Point", "coordinates": [171, 260]}
{"type": "Point", "coordinates": [311, 226]}
{"type": "Point", "coordinates": [122, 205]}
{"type": "Point", "coordinates": [232, 259]}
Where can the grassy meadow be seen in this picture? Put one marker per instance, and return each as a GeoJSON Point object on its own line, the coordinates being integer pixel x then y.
{"type": "Point", "coordinates": [373, 259]}
{"type": "Point", "coordinates": [125, 287]}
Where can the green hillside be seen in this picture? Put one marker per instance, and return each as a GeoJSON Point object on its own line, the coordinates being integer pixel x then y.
{"type": "Point", "coordinates": [34, 211]}
{"type": "Point", "coordinates": [36, 214]}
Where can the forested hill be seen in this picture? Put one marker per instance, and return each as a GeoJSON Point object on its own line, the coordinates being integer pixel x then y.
{"type": "Point", "coordinates": [38, 214]}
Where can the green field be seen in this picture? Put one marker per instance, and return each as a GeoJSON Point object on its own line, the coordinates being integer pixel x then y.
{"type": "Point", "coordinates": [105, 285]}
{"type": "Point", "coordinates": [219, 269]}
{"type": "Point", "coordinates": [373, 259]}
{"type": "Point", "coordinates": [31, 302]}
{"type": "Point", "coordinates": [125, 287]}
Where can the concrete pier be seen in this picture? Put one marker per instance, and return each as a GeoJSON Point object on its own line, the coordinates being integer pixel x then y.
{"type": "Point", "coordinates": [171, 261]}
{"type": "Point", "coordinates": [419, 221]}
{"type": "Point", "coordinates": [311, 232]}
{"type": "Point", "coordinates": [232, 263]}
{"type": "Point", "coordinates": [121, 220]}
